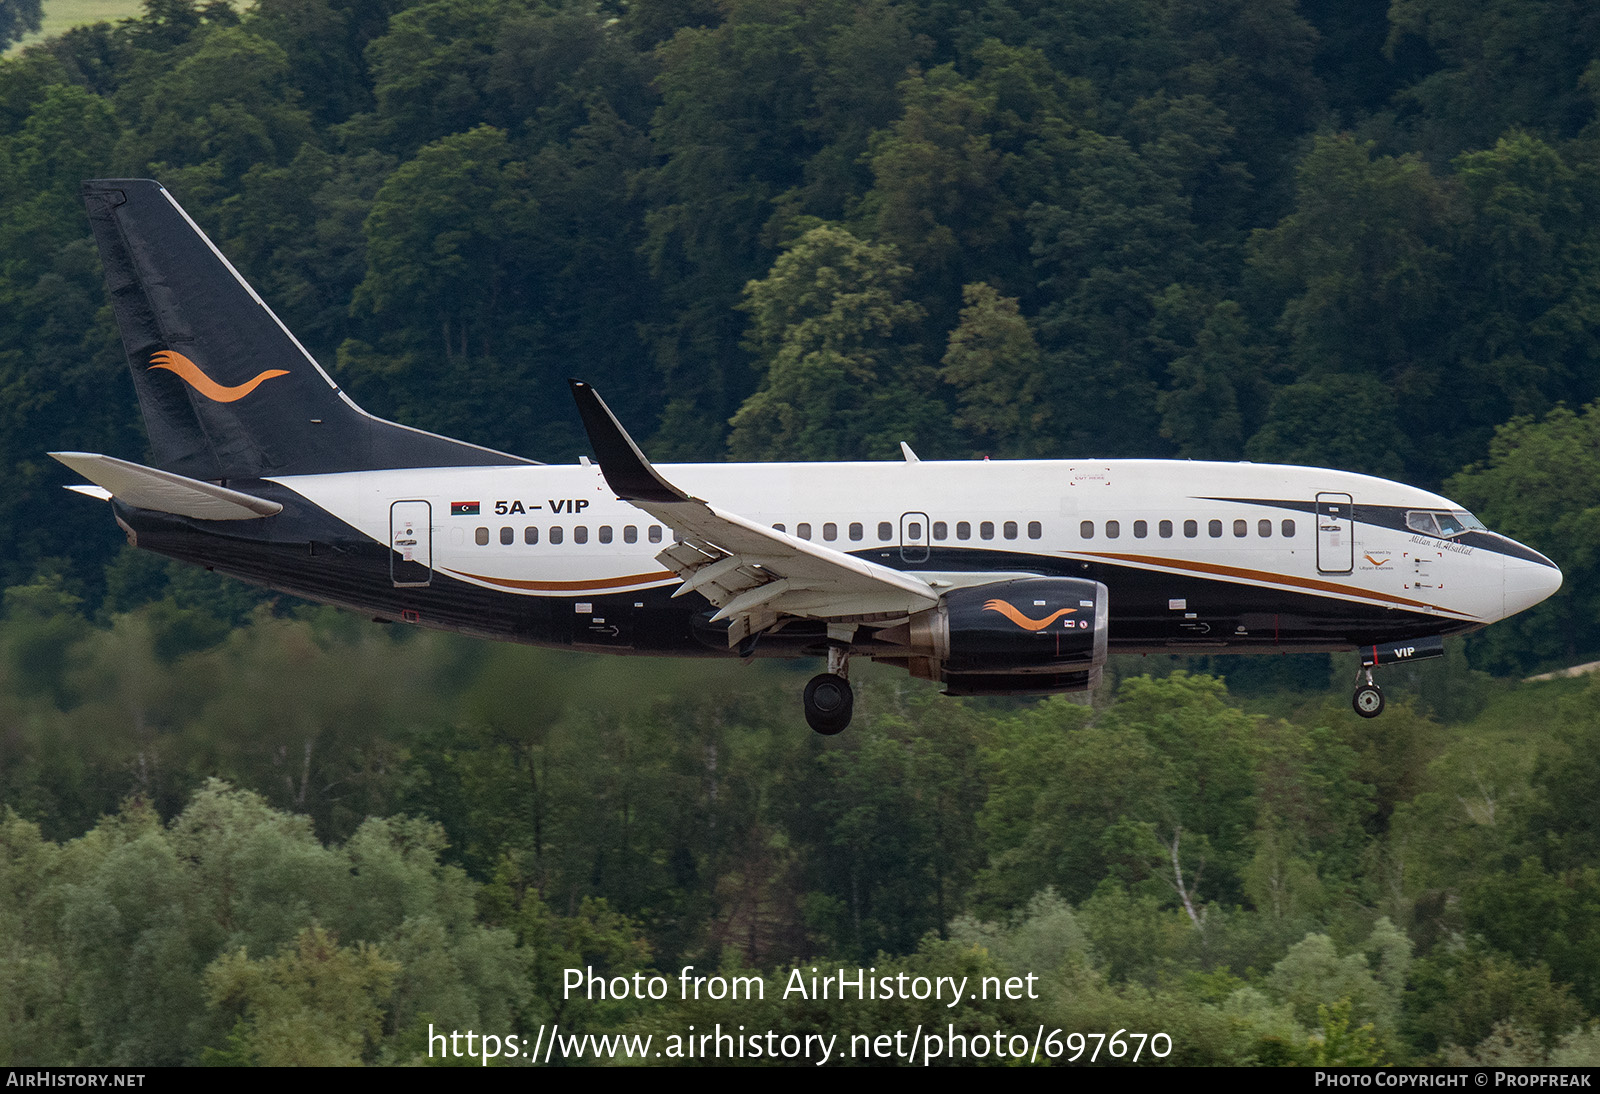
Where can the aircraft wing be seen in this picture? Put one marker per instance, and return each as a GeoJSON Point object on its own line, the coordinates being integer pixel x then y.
{"type": "Point", "coordinates": [754, 574]}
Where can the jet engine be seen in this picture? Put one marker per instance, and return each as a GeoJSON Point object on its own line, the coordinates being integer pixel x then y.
{"type": "Point", "coordinates": [1027, 636]}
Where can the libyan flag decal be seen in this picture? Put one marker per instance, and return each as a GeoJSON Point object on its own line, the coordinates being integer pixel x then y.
{"type": "Point", "coordinates": [463, 509]}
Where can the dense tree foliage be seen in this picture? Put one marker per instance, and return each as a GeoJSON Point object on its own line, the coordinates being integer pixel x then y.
{"type": "Point", "coordinates": [18, 19]}
{"type": "Point", "coordinates": [1263, 888]}
{"type": "Point", "coordinates": [1363, 235]}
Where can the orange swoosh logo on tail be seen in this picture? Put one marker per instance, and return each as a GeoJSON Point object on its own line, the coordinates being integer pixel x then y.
{"type": "Point", "coordinates": [1009, 610]}
{"type": "Point", "coordinates": [205, 385]}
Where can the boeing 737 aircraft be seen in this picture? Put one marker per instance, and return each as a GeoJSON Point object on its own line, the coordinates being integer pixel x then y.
{"type": "Point", "coordinates": [994, 578]}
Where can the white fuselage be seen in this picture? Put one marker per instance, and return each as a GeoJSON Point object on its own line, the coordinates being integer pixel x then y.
{"type": "Point", "coordinates": [560, 531]}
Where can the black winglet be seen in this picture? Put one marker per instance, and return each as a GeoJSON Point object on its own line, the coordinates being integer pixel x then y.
{"type": "Point", "coordinates": [624, 466]}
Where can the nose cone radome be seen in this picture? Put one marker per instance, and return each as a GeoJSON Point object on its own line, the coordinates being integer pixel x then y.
{"type": "Point", "coordinates": [1530, 578]}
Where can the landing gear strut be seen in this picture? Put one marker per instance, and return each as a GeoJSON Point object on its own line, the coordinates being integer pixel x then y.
{"type": "Point", "coordinates": [1368, 699]}
{"type": "Point", "coordinates": [829, 702]}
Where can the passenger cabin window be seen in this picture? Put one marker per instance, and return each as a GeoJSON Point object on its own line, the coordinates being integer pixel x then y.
{"type": "Point", "coordinates": [1165, 528]}
{"type": "Point", "coordinates": [885, 531]}
{"type": "Point", "coordinates": [1264, 529]}
{"type": "Point", "coordinates": [986, 530]}
{"type": "Point", "coordinates": [856, 531]}
{"type": "Point", "coordinates": [1241, 528]}
{"type": "Point", "coordinates": [480, 536]}
{"type": "Point", "coordinates": [941, 530]}
{"type": "Point", "coordinates": [1113, 529]}
{"type": "Point", "coordinates": [580, 534]}
{"type": "Point", "coordinates": [508, 536]}
{"type": "Point", "coordinates": [630, 534]}
{"type": "Point", "coordinates": [914, 530]}
{"type": "Point", "coordinates": [803, 530]}
{"type": "Point", "coordinates": [963, 529]}
{"type": "Point", "coordinates": [1191, 528]}
{"type": "Point", "coordinates": [1141, 529]}
{"type": "Point", "coordinates": [1009, 529]}
{"type": "Point", "coordinates": [1086, 530]}
{"type": "Point", "coordinates": [830, 532]}
{"type": "Point", "coordinates": [1287, 528]}
{"type": "Point", "coordinates": [779, 528]}
{"type": "Point", "coordinates": [1215, 528]}
{"type": "Point", "coordinates": [530, 535]}
{"type": "Point", "coordinates": [605, 533]}
{"type": "Point", "coordinates": [655, 533]}
{"type": "Point", "coordinates": [1035, 530]}
{"type": "Point", "coordinates": [556, 534]}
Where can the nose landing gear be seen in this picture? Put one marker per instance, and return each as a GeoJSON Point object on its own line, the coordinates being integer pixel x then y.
{"type": "Point", "coordinates": [1368, 699]}
{"type": "Point", "coordinates": [829, 702]}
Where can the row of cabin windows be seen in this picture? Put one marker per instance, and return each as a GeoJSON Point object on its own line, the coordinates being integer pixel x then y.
{"type": "Point", "coordinates": [1191, 529]}
{"type": "Point", "coordinates": [557, 534]}
{"type": "Point", "coordinates": [857, 532]}
{"type": "Point", "coordinates": [941, 530]}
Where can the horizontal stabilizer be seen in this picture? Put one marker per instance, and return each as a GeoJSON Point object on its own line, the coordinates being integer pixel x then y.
{"type": "Point", "coordinates": [165, 491]}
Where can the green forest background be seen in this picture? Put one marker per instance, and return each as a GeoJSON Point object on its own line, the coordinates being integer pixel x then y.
{"type": "Point", "coordinates": [1356, 234]}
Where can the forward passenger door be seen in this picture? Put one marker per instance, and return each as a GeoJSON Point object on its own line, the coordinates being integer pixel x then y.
{"type": "Point", "coordinates": [1336, 541]}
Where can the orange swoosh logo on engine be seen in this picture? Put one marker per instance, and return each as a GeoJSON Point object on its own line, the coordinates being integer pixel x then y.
{"type": "Point", "coordinates": [190, 373]}
{"type": "Point", "coordinates": [1010, 611]}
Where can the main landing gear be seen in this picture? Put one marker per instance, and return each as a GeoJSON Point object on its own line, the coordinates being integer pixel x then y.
{"type": "Point", "coordinates": [1368, 699]}
{"type": "Point", "coordinates": [829, 701]}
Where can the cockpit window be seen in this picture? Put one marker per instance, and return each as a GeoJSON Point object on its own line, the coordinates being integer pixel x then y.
{"type": "Point", "coordinates": [1422, 522]}
{"type": "Point", "coordinates": [1442, 524]}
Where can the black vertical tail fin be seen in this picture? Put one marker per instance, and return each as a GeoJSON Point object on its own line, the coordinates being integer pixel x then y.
{"type": "Point", "coordinates": [227, 392]}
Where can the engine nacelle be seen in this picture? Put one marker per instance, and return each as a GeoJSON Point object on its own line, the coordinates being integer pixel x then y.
{"type": "Point", "coordinates": [1030, 635]}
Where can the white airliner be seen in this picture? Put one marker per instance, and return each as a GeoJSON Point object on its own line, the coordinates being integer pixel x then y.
{"type": "Point", "coordinates": [994, 578]}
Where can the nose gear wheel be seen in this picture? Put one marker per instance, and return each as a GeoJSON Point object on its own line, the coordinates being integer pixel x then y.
{"type": "Point", "coordinates": [1368, 699]}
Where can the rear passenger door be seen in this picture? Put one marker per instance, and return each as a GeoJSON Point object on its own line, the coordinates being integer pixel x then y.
{"type": "Point", "coordinates": [411, 536]}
